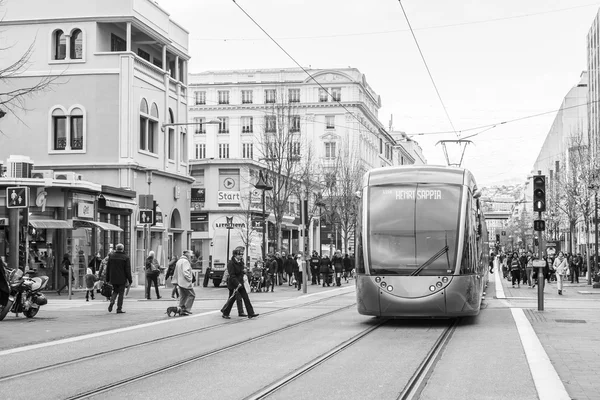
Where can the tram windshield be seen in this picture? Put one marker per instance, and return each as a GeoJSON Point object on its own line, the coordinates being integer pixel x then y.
{"type": "Point", "coordinates": [413, 229]}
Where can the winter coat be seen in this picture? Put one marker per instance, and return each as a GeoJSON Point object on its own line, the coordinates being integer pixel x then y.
{"type": "Point", "coordinates": [171, 269]}
{"type": "Point", "coordinates": [295, 266]}
{"type": "Point", "coordinates": [236, 272]}
{"type": "Point", "coordinates": [118, 269]}
{"type": "Point", "coordinates": [515, 264]}
{"type": "Point", "coordinates": [288, 265]}
{"type": "Point", "coordinates": [338, 264]}
{"type": "Point", "coordinates": [325, 266]}
{"type": "Point", "coordinates": [152, 267]}
{"type": "Point", "coordinates": [315, 260]}
{"type": "Point", "coordinates": [182, 276]}
{"type": "Point", "coordinates": [561, 266]}
{"type": "Point", "coordinates": [90, 279]}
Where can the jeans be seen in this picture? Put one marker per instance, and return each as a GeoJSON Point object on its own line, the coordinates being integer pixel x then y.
{"type": "Point", "coordinates": [150, 279]}
{"type": "Point", "coordinates": [186, 301]}
{"type": "Point", "coordinates": [118, 290]}
{"type": "Point", "coordinates": [575, 273]}
{"type": "Point", "coordinates": [529, 275]}
{"type": "Point", "coordinates": [559, 281]}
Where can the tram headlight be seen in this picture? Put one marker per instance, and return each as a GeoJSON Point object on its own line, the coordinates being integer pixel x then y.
{"type": "Point", "coordinates": [383, 284]}
{"type": "Point", "coordinates": [390, 288]}
{"type": "Point", "coordinates": [445, 279]}
{"type": "Point", "coordinates": [378, 279]}
{"type": "Point", "coordinates": [439, 284]}
{"type": "Point", "coordinates": [432, 288]}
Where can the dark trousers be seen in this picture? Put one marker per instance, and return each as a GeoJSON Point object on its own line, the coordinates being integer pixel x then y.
{"type": "Point", "coordinates": [325, 277]}
{"type": "Point", "coordinates": [516, 276]}
{"type": "Point", "coordinates": [118, 290]}
{"type": "Point", "coordinates": [574, 274]}
{"type": "Point", "coordinates": [270, 282]}
{"type": "Point", "coordinates": [66, 285]}
{"type": "Point", "coordinates": [151, 279]}
{"type": "Point", "coordinates": [298, 276]}
{"type": "Point", "coordinates": [88, 292]}
{"type": "Point", "coordinates": [316, 278]}
{"type": "Point", "coordinates": [244, 295]}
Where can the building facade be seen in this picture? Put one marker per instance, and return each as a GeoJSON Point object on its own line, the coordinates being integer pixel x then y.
{"type": "Point", "coordinates": [119, 74]}
{"type": "Point", "coordinates": [332, 113]}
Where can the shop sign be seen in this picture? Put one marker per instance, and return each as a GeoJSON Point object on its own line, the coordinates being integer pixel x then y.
{"type": "Point", "coordinates": [3, 221]}
{"type": "Point", "coordinates": [229, 223]}
{"type": "Point", "coordinates": [227, 197]}
{"type": "Point", "coordinates": [198, 195]}
{"type": "Point", "coordinates": [256, 196]}
{"type": "Point", "coordinates": [85, 210]}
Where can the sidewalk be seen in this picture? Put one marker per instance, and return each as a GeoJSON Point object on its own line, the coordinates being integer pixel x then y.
{"type": "Point", "coordinates": [568, 330]}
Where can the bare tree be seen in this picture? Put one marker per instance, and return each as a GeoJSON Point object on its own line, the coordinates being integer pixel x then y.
{"type": "Point", "coordinates": [281, 148]}
{"type": "Point", "coordinates": [247, 230]}
{"type": "Point", "coordinates": [13, 93]}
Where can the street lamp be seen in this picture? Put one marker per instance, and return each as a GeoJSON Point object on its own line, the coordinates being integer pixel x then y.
{"type": "Point", "coordinates": [264, 186]}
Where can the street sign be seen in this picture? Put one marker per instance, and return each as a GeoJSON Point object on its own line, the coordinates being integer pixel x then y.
{"type": "Point", "coordinates": [198, 195]}
{"type": "Point", "coordinates": [17, 197]}
{"type": "Point", "coordinates": [146, 217]}
{"type": "Point", "coordinates": [145, 201]}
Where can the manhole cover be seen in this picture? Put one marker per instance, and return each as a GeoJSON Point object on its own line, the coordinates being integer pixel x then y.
{"type": "Point", "coordinates": [571, 321]}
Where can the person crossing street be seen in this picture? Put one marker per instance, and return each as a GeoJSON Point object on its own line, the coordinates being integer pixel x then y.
{"type": "Point", "coordinates": [235, 268]}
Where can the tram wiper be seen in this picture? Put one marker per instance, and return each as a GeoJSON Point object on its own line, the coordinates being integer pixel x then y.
{"type": "Point", "coordinates": [430, 261]}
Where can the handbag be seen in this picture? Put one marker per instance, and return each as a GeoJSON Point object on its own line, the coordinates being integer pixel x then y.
{"type": "Point", "coordinates": [106, 290]}
{"type": "Point", "coordinates": [193, 278]}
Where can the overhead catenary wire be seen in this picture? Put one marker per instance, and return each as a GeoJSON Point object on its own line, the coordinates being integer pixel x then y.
{"type": "Point", "coordinates": [428, 70]}
{"type": "Point", "coordinates": [304, 69]}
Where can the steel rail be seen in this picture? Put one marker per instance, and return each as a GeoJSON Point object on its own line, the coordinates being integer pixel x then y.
{"type": "Point", "coordinates": [417, 382]}
{"type": "Point", "coordinates": [154, 341]}
{"type": "Point", "coordinates": [198, 357]}
{"type": "Point", "coordinates": [275, 386]}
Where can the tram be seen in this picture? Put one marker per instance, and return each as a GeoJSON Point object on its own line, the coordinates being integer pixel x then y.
{"type": "Point", "coordinates": [421, 243]}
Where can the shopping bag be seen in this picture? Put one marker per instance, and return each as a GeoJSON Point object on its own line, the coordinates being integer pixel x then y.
{"type": "Point", "coordinates": [106, 290]}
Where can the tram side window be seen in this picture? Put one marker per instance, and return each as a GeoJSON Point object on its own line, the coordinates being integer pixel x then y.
{"type": "Point", "coordinates": [466, 265]}
{"type": "Point", "coordinates": [358, 257]}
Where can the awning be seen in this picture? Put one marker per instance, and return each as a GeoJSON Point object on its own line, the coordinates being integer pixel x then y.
{"type": "Point", "coordinates": [119, 202]}
{"type": "Point", "coordinates": [80, 223]}
{"type": "Point", "coordinates": [50, 224]}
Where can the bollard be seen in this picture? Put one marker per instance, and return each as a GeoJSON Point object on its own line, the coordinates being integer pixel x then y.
{"type": "Point", "coordinates": [540, 264]}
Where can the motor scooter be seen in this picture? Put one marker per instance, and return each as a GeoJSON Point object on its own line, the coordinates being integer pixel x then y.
{"type": "Point", "coordinates": [24, 293]}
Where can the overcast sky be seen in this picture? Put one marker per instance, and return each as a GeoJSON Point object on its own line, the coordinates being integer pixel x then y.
{"type": "Point", "coordinates": [492, 61]}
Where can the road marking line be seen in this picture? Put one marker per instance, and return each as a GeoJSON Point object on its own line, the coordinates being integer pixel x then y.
{"type": "Point", "coordinates": [99, 334]}
{"type": "Point", "coordinates": [498, 284]}
{"type": "Point", "coordinates": [546, 379]}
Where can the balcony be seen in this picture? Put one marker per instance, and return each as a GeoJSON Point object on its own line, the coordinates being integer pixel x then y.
{"type": "Point", "coordinates": [148, 70]}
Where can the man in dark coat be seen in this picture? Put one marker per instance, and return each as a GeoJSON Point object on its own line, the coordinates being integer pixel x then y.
{"type": "Point", "coordinates": [118, 274]}
{"type": "Point", "coordinates": [315, 261]}
{"type": "Point", "coordinates": [235, 267]}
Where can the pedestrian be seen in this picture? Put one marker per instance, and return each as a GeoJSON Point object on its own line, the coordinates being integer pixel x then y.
{"type": "Point", "coordinates": [325, 270]}
{"type": "Point", "coordinates": [491, 262]}
{"type": "Point", "coordinates": [288, 267]}
{"type": "Point", "coordinates": [338, 266]}
{"type": "Point", "coordinates": [66, 266]}
{"type": "Point", "coordinates": [118, 274]}
{"type": "Point", "coordinates": [95, 262]}
{"type": "Point", "coordinates": [280, 259]}
{"type": "Point", "coordinates": [529, 268]}
{"type": "Point", "coordinates": [90, 280]}
{"type": "Point", "coordinates": [235, 267]}
{"type": "Point", "coordinates": [523, 267]}
{"type": "Point", "coordinates": [169, 275]}
{"type": "Point", "coordinates": [561, 266]}
{"type": "Point", "coordinates": [575, 267]}
{"type": "Point", "coordinates": [315, 261]}
{"type": "Point", "coordinates": [297, 271]}
{"type": "Point", "coordinates": [271, 271]}
{"type": "Point", "coordinates": [102, 273]}
{"type": "Point", "coordinates": [184, 279]}
{"type": "Point", "coordinates": [152, 273]}
{"type": "Point", "coordinates": [347, 267]}
{"type": "Point", "coordinates": [515, 270]}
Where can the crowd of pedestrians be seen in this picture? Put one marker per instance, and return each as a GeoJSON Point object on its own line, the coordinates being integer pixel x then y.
{"type": "Point", "coordinates": [517, 267]}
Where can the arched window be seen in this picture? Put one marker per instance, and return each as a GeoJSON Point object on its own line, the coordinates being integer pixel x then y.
{"type": "Point", "coordinates": [59, 129]}
{"type": "Point", "coordinates": [171, 149]}
{"type": "Point", "coordinates": [76, 44]}
{"type": "Point", "coordinates": [148, 127]}
{"type": "Point", "coordinates": [67, 129]}
{"type": "Point", "coordinates": [60, 45]}
{"type": "Point", "coordinates": [76, 129]}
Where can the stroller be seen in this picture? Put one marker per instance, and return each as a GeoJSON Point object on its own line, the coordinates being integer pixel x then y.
{"type": "Point", "coordinates": [257, 279]}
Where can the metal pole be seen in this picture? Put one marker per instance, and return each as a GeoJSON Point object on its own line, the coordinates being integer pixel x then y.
{"type": "Point", "coordinates": [589, 280]}
{"type": "Point", "coordinates": [264, 220]}
{"type": "Point", "coordinates": [227, 256]}
{"type": "Point", "coordinates": [540, 275]}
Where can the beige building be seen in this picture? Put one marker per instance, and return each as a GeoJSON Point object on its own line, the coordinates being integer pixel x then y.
{"type": "Point", "coordinates": [120, 70]}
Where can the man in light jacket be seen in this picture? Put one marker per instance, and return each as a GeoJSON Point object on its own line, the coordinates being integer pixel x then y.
{"type": "Point", "coordinates": [182, 277]}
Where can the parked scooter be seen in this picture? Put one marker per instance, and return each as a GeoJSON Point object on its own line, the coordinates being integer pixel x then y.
{"type": "Point", "coordinates": [25, 293]}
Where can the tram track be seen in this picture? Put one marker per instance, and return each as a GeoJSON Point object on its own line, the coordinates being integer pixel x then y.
{"type": "Point", "coordinates": [412, 389]}
{"type": "Point", "coordinates": [168, 338]}
{"type": "Point", "coordinates": [180, 363]}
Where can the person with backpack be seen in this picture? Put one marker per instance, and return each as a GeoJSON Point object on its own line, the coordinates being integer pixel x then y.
{"type": "Point", "coordinates": [152, 273]}
{"type": "Point", "coordinates": [169, 274]}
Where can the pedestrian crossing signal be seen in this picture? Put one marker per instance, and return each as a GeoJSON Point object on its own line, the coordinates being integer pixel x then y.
{"type": "Point", "coordinates": [146, 217]}
{"type": "Point", "coordinates": [17, 197]}
{"type": "Point", "coordinates": [539, 225]}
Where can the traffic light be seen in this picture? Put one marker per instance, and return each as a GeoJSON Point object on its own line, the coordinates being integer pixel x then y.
{"type": "Point", "coordinates": [498, 237]}
{"type": "Point", "coordinates": [539, 225]}
{"type": "Point", "coordinates": [539, 193]}
{"type": "Point", "coordinates": [154, 204]}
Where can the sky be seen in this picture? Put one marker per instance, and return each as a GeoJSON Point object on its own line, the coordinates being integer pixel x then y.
{"type": "Point", "coordinates": [491, 61]}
